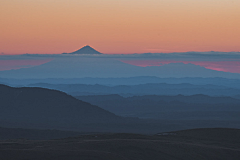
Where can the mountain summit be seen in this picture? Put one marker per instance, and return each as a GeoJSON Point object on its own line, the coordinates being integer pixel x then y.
{"type": "Point", "coordinates": [86, 50]}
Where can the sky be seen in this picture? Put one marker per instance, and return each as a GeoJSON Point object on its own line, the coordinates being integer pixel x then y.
{"type": "Point", "coordinates": [119, 26]}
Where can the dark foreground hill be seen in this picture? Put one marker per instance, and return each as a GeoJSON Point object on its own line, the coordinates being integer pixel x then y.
{"type": "Point", "coordinates": [208, 144]}
{"type": "Point", "coordinates": [38, 107]}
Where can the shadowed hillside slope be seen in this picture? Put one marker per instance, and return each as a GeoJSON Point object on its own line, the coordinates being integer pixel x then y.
{"type": "Point", "coordinates": [38, 108]}
{"type": "Point", "coordinates": [49, 108]}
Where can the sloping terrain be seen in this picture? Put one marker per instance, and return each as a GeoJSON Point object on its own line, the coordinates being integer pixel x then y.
{"type": "Point", "coordinates": [38, 108]}
{"type": "Point", "coordinates": [49, 108]}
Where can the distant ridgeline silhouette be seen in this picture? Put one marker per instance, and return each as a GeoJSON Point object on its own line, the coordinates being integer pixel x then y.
{"type": "Point", "coordinates": [85, 50]}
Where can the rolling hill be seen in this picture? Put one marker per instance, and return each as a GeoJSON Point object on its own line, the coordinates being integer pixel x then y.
{"type": "Point", "coordinates": [46, 108]}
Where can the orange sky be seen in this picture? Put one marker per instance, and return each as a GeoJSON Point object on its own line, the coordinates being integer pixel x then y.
{"type": "Point", "coordinates": [123, 26]}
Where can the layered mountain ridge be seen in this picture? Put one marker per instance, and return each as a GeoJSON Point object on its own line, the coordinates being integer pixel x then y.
{"type": "Point", "coordinates": [49, 109]}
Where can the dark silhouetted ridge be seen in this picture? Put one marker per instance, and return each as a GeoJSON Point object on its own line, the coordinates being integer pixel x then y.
{"type": "Point", "coordinates": [50, 108]}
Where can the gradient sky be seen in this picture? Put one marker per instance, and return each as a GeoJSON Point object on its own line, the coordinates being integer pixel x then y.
{"type": "Point", "coordinates": [119, 26]}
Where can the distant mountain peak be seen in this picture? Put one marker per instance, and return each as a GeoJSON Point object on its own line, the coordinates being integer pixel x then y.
{"type": "Point", "coordinates": [86, 50]}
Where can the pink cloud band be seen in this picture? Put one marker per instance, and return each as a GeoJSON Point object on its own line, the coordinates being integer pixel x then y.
{"type": "Point", "coordinates": [225, 66]}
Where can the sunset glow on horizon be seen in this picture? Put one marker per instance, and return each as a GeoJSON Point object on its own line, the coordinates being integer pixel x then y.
{"type": "Point", "coordinates": [225, 66]}
{"type": "Point", "coordinates": [124, 26]}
